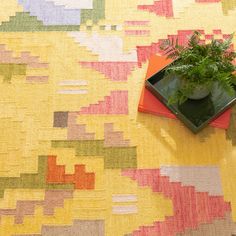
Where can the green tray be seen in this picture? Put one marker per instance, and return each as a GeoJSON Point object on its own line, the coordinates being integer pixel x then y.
{"type": "Point", "coordinates": [195, 114]}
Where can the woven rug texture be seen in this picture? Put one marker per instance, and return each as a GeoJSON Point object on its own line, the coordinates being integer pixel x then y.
{"type": "Point", "coordinates": [76, 157]}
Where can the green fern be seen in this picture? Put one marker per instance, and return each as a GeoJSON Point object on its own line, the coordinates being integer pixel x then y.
{"type": "Point", "coordinates": [201, 64]}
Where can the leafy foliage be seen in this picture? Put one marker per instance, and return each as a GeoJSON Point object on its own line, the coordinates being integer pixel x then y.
{"type": "Point", "coordinates": [201, 64]}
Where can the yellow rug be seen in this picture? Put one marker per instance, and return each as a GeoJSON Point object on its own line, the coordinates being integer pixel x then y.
{"type": "Point", "coordinates": [76, 158]}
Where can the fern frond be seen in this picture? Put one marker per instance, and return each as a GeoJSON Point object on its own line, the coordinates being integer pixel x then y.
{"type": "Point", "coordinates": [201, 63]}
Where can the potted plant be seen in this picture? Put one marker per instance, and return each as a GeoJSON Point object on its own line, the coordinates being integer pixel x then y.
{"type": "Point", "coordinates": [198, 66]}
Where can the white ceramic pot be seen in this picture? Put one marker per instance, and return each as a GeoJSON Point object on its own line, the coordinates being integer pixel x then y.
{"type": "Point", "coordinates": [200, 92]}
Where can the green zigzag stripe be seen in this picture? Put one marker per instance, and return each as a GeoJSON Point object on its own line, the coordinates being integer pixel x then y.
{"type": "Point", "coordinates": [8, 70]}
{"type": "Point", "coordinates": [31, 181]}
{"type": "Point", "coordinates": [95, 14]}
{"type": "Point", "coordinates": [114, 157]}
{"type": "Point", "coordinates": [23, 21]}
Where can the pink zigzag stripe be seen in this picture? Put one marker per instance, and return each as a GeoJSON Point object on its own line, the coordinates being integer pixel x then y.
{"type": "Point", "coordinates": [116, 71]}
{"type": "Point", "coordinates": [77, 131]}
{"type": "Point", "coordinates": [116, 103]}
{"type": "Point", "coordinates": [145, 52]}
{"type": "Point", "coordinates": [114, 138]}
{"type": "Point", "coordinates": [25, 58]}
{"type": "Point", "coordinates": [161, 8]}
{"type": "Point", "coordinates": [37, 79]}
{"type": "Point", "coordinates": [137, 23]}
{"type": "Point", "coordinates": [137, 32]}
{"type": "Point", "coordinates": [53, 199]}
{"type": "Point", "coordinates": [190, 208]}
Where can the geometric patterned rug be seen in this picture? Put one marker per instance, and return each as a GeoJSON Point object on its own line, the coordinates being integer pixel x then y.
{"type": "Point", "coordinates": [76, 157]}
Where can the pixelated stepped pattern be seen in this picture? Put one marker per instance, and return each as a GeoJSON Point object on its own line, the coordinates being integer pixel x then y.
{"type": "Point", "coordinates": [116, 103]}
{"type": "Point", "coordinates": [184, 203]}
{"type": "Point", "coordinates": [104, 150]}
{"type": "Point", "coordinates": [116, 71]}
{"type": "Point", "coordinates": [53, 199]}
{"type": "Point", "coordinates": [10, 65]}
{"type": "Point", "coordinates": [145, 52]}
{"type": "Point", "coordinates": [44, 15]}
{"type": "Point", "coordinates": [79, 227]}
{"type": "Point", "coordinates": [115, 157]}
{"type": "Point", "coordinates": [50, 176]}
{"type": "Point", "coordinates": [165, 7]}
